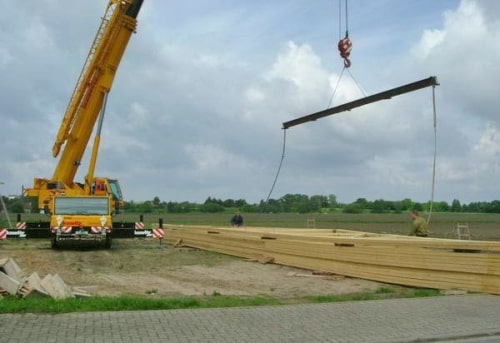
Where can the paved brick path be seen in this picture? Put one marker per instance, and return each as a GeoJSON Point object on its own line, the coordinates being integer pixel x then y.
{"type": "Point", "coordinates": [469, 317]}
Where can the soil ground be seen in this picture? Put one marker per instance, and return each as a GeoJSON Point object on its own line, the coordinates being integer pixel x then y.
{"type": "Point", "coordinates": [146, 268]}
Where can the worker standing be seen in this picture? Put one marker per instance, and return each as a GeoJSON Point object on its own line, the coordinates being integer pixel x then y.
{"type": "Point", "coordinates": [237, 220]}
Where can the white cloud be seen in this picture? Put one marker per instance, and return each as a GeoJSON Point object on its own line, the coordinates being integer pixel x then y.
{"type": "Point", "coordinates": [202, 92]}
{"type": "Point", "coordinates": [489, 143]}
{"type": "Point", "coordinates": [431, 39]}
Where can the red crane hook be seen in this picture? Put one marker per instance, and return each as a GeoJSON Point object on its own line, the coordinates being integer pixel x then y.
{"type": "Point", "coordinates": [345, 47]}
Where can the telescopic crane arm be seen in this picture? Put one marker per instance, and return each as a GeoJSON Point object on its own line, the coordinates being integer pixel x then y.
{"type": "Point", "coordinates": [94, 83]}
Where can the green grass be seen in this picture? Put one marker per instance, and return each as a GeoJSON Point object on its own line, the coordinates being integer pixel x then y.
{"type": "Point", "coordinates": [484, 226]}
{"type": "Point", "coordinates": [125, 303]}
{"type": "Point", "coordinates": [379, 294]}
{"type": "Point", "coordinates": [12, 304]}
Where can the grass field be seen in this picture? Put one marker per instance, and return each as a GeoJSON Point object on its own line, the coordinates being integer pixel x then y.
{"type": "Point", "coordinates": [442, 225]}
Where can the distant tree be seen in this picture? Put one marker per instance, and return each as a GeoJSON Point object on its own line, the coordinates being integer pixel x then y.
{"type": "Point", "coordinates": [406, 204]}
{"type": "Point", "coordinates": [493, 207]}
{"type": "Point", "coordinates": [145, 207]}
{"type": "Point", "coordinates": [211, 207]}
{"type": "Point", "coordinates": [305, 207]}
{"type": "Point", "coordinates": [332, 201]}
{"type": "Point", "coordinates": [271, 206]}
{"type": "Point", "coordinates": [250, 208]}
{"type": "Point", "coordinates": [398, 206]}
{"type": "Point", "coordinates": [477, 207]}
{"type": "Point", "coordinates": [318, 202]}
{"type": "Point", "coordinates": [16, 206]}
{"type": "Point", "coordinates": [129, 206]}
{"type": "Point", "coordinates": [228, 203]}
{"type": "Point", "coordinates": [456, 206]}
{"type": "Point", "coordinates": [381, 206]}
{"type": "Point", "coordinates": [362, 203]}
{"type": "Point", "coordinates": [182, 207]}
{"type": "Point", "coordinates": [292, 202]}
{"type": "Point", "coordinates": [417, 206]}
{"type": "Point", "coordinates": [352, 208]}
{"type": "Point", "coordinates": [466, 208]}
{"type": "Point", "coordinates": [441, 206]}
{"type": "Point", "coordinates": [156, 201]}
{"type": "Point", "coordinates": [240, 203]}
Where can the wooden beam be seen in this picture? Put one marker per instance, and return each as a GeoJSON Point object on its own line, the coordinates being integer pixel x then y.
{"type": "Point", "coordinates": [412, 261]}
{"type": "Point", "coordinates": [431, 81]}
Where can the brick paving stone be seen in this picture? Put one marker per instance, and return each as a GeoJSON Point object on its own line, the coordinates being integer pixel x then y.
{"type": "Point", "coordinates": [457, 317]}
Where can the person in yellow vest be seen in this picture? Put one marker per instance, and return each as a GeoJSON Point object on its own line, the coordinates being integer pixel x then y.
{"type": "Point", "coordinates": [419, 226]}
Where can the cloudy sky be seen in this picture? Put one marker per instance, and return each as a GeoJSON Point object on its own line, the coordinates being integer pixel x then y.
{"type": "Point", "coordinates": [198, 103]}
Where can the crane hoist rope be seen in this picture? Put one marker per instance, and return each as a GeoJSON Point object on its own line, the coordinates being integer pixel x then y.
{"type": "Point", "coordinates": [433, 183]}
{"type": "Point", "coordinates": [345, 44]}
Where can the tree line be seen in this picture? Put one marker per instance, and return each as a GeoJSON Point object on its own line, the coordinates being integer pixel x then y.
{"type": "Point", "coordinates": [300, 203]}
{"type": "Point", "coordinates": [290, 203]}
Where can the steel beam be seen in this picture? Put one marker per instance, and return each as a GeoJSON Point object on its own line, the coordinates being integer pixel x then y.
{"type": "Point", "coordinates": [431, 81]}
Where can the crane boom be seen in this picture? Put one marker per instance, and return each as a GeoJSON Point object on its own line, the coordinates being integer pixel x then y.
{"type": "Point", "coordinates": [430, 81]}
{"type": "Point", "coordinates": [95, 81]}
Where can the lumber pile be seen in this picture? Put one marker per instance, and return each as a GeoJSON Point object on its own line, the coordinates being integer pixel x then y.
{"type": "Point", "coordinates": [14, 283]}
{"type": "Point", "coordinates": [412, 261]}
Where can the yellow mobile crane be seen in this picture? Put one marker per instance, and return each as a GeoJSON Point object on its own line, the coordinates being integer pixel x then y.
{"type": "Point", "coordinates": [84, 210]}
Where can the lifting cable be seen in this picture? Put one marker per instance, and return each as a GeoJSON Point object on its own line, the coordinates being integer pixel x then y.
{"type": "Point", "coordinates": [345, 46]}
{"type": "Point", "coordinates": [279, 168]}
{"type": "Point", "coordinates": [435, 153]}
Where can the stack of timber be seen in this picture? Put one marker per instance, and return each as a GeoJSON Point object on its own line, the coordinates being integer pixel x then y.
{"type": "Point", "coordinates": [14, 283]}
{"type": "Point", "coordinates": [412, 261]}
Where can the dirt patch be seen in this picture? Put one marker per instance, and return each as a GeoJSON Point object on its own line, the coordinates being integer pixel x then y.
{"type": "Point", "coordinates": [141, 267]}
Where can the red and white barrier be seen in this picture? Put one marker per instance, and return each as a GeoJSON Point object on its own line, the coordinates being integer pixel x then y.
{"type": "Point", "coordinates": [158, 233]}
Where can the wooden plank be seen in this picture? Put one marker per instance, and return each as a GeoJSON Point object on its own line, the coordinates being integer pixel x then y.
{"type": "Point", "coordinates": [10, 267]}
{"type": "Point", "coordinates": [424, 258]}
{"type": "Point", "coordinates": [31, 286]}
{"type": "Point", "coordinates": [56, 287]}
{"type": "Point", "coordinates": [8, 284]}
{"type": "Point", "coordinates": [412, 261]}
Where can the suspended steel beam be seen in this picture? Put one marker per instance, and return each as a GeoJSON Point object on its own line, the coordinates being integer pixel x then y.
{"type": "Point", "coordinates": [431, 81]}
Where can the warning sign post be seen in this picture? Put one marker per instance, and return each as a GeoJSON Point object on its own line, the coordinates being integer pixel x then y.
{"type": "Point", "coordinates": [158, 232]}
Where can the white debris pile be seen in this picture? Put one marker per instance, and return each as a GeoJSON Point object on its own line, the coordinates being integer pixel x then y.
{"type": "Point", "coordinates": [13, 282]}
